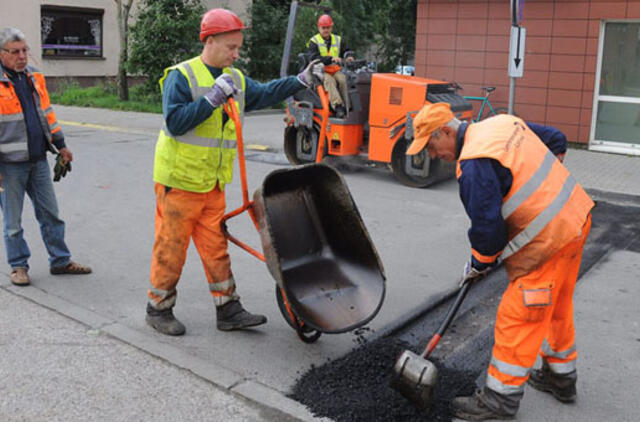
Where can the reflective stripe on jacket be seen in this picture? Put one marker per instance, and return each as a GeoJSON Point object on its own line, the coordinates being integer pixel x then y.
{"type": "Point", "coordinates": [202, 157]}
{"type": "Point", "coordinates": [334, 51]}
{"type": "Point", "coordinates": [14, 146]}
{"type": "Point", "coordinates": [545, 208]}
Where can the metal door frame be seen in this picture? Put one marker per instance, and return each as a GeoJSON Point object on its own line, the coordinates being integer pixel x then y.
{"type": "Point", "coordinates": [598, 144]}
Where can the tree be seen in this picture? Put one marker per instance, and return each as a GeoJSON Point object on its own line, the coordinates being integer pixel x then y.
{"type": "Point", "coordinates": [263, 43]}
{"type": "Point", "coordinates": [398, 44]}
{"type": "Point", "coordinates": [124, 7]}
{"type": "Point", "coordinates": [379, 30]}
{"type": "Point", "coordinates": [166, 32]}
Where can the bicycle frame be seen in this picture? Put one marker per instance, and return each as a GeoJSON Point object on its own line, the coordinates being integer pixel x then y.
{"type": "Point", "coordinates": [485, 102]}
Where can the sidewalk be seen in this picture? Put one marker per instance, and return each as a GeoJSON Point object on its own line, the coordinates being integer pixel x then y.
{"type": "Point", "coordinates": [600, 171]}
{"type": "Point", "coordinates": [53, 368]}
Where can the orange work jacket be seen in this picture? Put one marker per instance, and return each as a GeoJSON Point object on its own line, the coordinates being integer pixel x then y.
{"type": "Point", "coordinates": [544, 209]}
{"type": "Point", "coordinates": [13, 130]}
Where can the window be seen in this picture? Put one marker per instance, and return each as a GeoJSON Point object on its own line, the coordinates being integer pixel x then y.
{"type": "Point", "coordinates": [616, 120]}
{"type": "Point", "coordinates": [71, 32]}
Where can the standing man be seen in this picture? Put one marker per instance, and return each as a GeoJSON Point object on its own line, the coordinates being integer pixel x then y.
{"type": "Point", "coordinates": [194, 163]}
{"type": "Point", "coordinates": [28, 128]}
{"type": "Point", "coordinates": [330, 49]}
{"type": "Point", "coordinates": [528, 211]}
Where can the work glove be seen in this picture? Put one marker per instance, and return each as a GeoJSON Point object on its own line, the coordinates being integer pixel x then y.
{"type": "Point", "coordinates": [61, 168]}
{"type": "Point", "coordinates": [471, 274]}
{"type": "Point", "coordinates": [221, 90]}
{"type": "Point", "coordinates": [314, 72]}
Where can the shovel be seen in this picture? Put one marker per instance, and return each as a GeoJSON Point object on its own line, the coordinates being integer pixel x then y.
{"type": "Point", "coordinates": [413, 375]}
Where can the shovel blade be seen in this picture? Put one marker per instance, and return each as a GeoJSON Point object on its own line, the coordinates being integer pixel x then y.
{"type": "Point", "coordinates": [415, 378]}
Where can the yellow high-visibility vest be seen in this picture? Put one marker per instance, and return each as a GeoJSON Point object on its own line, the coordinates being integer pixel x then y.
{"type": "Point", "coordinates": [334, 51]}
{"type": "Point", "coordinates": [202, 157]}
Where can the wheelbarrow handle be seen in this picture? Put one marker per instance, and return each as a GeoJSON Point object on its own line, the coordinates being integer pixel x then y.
{"type": "Point", "coordinates": [232, 112]}
{"type": "Point", "coordinates": [451, 313]}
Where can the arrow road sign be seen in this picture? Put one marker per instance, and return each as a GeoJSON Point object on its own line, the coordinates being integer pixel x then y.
{"type": "Point", "coordinates": [516, 51]}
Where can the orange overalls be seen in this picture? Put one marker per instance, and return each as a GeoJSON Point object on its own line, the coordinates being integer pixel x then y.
{"type": "Point", "coordinates": [548, 220]}
{"type": "Point", "coordinates": [181, 215]}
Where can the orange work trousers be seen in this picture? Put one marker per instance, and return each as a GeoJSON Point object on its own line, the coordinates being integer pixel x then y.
{"type": "Point", "coordinates": [535, 316]}
{"type": "Point", "coordinates": [181, 216]}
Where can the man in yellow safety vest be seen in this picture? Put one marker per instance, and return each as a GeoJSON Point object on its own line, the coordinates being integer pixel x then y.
{"type": "Point", "coordinates": [194, 158]}
{"type": "Point", "coordinates": [331, 49]}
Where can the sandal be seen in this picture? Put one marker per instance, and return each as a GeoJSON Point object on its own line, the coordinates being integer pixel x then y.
{"type": "Point", "coordinates": [71, 268]}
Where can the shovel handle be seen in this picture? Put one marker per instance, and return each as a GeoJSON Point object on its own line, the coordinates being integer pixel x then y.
{"type": "Point", "coordinates": [451, 313]}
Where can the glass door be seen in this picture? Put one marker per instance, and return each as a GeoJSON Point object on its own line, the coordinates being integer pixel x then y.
{"type": "Point", "coordinates": [615, 125]}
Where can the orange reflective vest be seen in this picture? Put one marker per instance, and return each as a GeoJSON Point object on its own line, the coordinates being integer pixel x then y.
{"type": "Point", "coordinates": [13, 130]}
{"type": "Point", "coordinates": [545, 208]}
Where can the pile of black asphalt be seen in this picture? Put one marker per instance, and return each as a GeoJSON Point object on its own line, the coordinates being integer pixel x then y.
{"type": "Point", "coordinates": [356, 386]}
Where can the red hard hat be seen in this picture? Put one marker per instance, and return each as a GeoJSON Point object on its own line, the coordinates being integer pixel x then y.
{"type": "Point", "coordinates": [218, 21]}
{"type": "Point", "coordinates": [325, 20]}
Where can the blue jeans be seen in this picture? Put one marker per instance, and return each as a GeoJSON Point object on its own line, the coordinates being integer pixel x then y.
{"type": "Point", "coordinates": [35, 180]}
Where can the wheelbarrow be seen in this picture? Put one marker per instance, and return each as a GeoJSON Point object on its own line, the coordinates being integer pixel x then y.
{"type": "Point", "coordinates": [329, 278]}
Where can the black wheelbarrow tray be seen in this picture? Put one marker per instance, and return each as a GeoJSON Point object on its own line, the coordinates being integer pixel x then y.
{"type": "Point", "coordinates": [328, 273]}
{"type": "Point", "coordinates": [318, 250]}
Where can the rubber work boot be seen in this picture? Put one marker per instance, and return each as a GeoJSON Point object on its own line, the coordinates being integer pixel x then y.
{"type": "Point", "coordinates": [164, 322]}
{"type": "Point", "coordinates": [476, 408]}
{"type": "Point", "coordinates": [232, 316]}
{"type": "Point", "coordinates": [19, 277]}
{"type": "Point", "coordinates": [561, 386]}
{"type": "Point", "coordinates": [340, 112]}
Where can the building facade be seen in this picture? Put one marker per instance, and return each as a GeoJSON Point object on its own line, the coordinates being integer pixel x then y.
{"type": "Point", "coordinates": [581, 68]}
{"type": "Point", "coordinates": [78, 39]}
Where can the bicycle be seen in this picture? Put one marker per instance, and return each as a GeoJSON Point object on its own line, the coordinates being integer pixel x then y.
{"type": "Point", "coordinates": [490, 110]}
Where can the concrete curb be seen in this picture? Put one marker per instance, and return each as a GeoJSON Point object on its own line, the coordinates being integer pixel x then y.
{"type": "Point", "coordinates": [224, 378]}
{"type": "Point", "coordinates": [614, 197]}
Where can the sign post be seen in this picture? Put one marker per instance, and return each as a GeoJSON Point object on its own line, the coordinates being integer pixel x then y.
{"type": "Point", "coordinates": [517, 8]}
{"type": "Point", "coordinates": [516, 49]}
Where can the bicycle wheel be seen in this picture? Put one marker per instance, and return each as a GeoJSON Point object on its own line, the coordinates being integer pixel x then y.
{"type": "Point", "coordinates": [494, 112]}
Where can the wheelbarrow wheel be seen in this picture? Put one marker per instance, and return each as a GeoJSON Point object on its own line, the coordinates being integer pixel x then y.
{"type": "Point", "coordinates": [305, 333]}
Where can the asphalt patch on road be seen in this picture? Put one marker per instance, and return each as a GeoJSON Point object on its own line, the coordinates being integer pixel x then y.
{"type": "Point", "coordinates": [356, 386]}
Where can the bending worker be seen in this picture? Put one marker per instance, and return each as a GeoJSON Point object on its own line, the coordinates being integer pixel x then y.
{"type": "Point", "coordinates": [529, 212]}
{"type": "Point", "coordinates": [331, 49]}
{"type": "Point", "coordinates": [194, 163]}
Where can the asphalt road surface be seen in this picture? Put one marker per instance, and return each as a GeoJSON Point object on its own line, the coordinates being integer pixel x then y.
{"type": "Point", "coordinates": [108, 204]}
